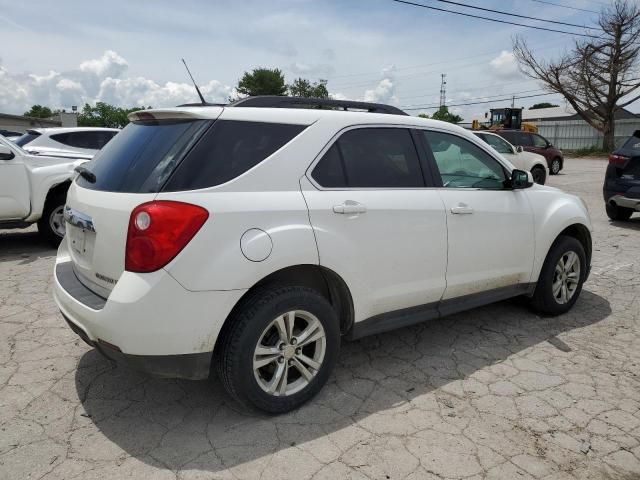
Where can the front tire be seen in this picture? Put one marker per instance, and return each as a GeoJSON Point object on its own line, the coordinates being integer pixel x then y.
{"type": "Point", "coordinates": [51, 225]}
{"type": "Point", "coordinates": [555, 167]}
{"type": "Point", "coordinates": [539, 174]}
{"type": "Point", "coordinates": [279, 348]}
{"type": "Point", "coordinates": [615, 212]}
{"type": "Point", "coordinates": [561, 277]}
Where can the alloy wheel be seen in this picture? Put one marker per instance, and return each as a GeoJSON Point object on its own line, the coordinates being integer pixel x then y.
{"type": "Point", "coordinates": [289, 353]}
{"type": "Point", "coordinates": [56, 221]}
{"type": "Point", "coordinates": [566, 277]}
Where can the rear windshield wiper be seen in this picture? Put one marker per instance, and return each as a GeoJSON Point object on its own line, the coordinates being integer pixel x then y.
{"type": "Point", "coordinates": [85, 173]}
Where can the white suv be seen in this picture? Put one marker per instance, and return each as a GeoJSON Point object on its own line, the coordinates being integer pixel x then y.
{"type": "Point", "coordinates": [249, 240]}
{"type": "Point", "coordinates": [76, 142]}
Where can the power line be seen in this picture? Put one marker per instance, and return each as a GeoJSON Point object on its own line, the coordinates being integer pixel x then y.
{"type": "Point", "coordinates": [565, 6]}
{"type": "Point", "coordinates": [406, 2]}
{"type": "Point", "coordinates": [500, 12]}
{"type": "Point", "coordinates": [482, 97]}
{"type": "Point", "coordinates": [478, 103]}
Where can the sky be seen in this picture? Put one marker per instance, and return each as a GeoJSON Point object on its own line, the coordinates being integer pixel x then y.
{"type": "Point", "coordinates": [128, 53]}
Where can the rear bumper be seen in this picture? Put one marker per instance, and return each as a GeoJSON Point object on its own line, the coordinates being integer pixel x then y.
{"type": "Point", "coordinates": [625, 202]}
{"type": "Point", "coordinates": [194, 366]}
{"type": "Point", "coordinates": [149, 322]}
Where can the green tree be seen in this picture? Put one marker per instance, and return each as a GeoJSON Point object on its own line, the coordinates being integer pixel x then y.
{"type": "Point", "coordinates": [301, 87]}
{"type": "Point", "coordinates": [446, 116]}
{"type": "Point", "coordinates": [424, 115]}
{"type": "Point", "coordinates": [38, 111]}
{"type": "Point", "coordinates": [104, 115]}
{"type": "Point", "coordinates": [542, 105]}
{"type": "Point", "coordinates": [262, 81]}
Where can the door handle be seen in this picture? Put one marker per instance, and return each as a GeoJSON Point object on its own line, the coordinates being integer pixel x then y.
{"type": "Point", "coordinates": [462, 209]}
{"type": "Point", "coordinates": [349, 207]}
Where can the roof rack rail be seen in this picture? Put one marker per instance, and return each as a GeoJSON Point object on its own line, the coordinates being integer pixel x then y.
{"type": "Point", "coordinates": [274, 101]}
{"type": "Point", "coordinates": [207, 104]}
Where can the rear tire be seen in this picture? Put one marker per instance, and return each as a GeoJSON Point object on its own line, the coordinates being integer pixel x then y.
{"type": "Point", "coordinates": [556, 166]}
{"type": "Point", "coordinates": [51, 225]}
{"type": "Point", "coordinates": [615, 212]}
{"type": "Point", "coordinates": [548, 299]}
{"type": "Point", "coordinates": [273, 337]}
{"type": "Point", "coordinates": [539, 174]}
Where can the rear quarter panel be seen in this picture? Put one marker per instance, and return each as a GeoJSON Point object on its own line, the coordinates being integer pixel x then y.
{"type": "Point", "coordinates": [214, 260]}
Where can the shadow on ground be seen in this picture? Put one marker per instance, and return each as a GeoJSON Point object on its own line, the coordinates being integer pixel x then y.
{"type": "Point", "coordinates": [182, 424]}
{"type": "Point", "coordinates": [632, 224]}
{"type": "Point", "coordinates": [25, 245]}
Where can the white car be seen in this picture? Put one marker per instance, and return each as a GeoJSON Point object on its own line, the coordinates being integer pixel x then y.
{"type": "Point", "coordinates": [33, 189]}
{"type": "Point", "coordinates": [76, 142]}
{"type": "Point", "coordinates": [519, 158]}
{"type": "Point", "coordinates": [250, 240]}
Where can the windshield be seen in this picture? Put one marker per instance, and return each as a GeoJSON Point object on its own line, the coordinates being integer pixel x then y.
{"type": "Point", "coordinates": [499, 144]}
{"type": "Point", "coordinates": [11, 145]}
{"type": "Point", "coordinates": [26, 138]}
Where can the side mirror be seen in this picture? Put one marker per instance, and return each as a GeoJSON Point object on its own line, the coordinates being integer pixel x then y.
{"type": "Point", "coordinates": [521, 179]}
{"type": "Point", "coordinates": [5, 152]}
{"type": "Point", "coordinates": [519, 149]}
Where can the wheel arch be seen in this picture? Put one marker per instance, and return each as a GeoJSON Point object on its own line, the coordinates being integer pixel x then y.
{"type": "Point", "coordinates": [324, 280]}
{"type": "Point", "coordinates": [575, 229]}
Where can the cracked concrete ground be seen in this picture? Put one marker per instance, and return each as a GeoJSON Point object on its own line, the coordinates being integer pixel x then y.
{"type": "Point", "coordinates": [496, 392]}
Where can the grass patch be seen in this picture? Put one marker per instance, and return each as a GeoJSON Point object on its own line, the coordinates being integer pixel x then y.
{"type": "Point", "coordinates": [593, 150]}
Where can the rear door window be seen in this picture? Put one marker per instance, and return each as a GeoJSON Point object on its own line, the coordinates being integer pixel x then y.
{"type": "Point", "coordinates": [228, 149]}
{"type": "Point", "coordinates": [371, 158]}
{"type": "Point", "coordinates": [92, 140]}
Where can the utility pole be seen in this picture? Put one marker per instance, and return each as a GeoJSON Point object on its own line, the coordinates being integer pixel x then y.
{"type": "Point", "coordinates": [443, 90]}
{"type": "Point", "coordinates": [513, 101]}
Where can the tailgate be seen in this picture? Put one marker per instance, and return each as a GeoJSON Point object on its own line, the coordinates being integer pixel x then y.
{"type": "Point", "coordinates": [96, 237]}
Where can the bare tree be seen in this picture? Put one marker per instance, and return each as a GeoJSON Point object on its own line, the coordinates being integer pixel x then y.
{"type": "Point", "coordinates": [600, 75]}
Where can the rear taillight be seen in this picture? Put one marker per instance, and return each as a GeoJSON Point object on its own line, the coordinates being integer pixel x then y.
{"type": "Point", "coordinates": [158, 231]}
{"type": "Point", "coordinates": [615, 159]}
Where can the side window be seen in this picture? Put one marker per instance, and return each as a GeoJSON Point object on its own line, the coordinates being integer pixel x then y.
{"type": "Point", "coordinates": [464, 165]}
{"type": "Point", "coordinates": [538, 141]}
{"type": "Point", "coordinates": [371, 158]}
{"type": "Point", "coordinates": [228, 149]}
{"type": "Point", "coordinates": [329, 172]}
{"type": "Point", "coordinates": [524, 139]}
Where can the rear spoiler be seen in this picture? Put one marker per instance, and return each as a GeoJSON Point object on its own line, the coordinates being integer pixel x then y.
{"type": "Point", "coordinates": [190, 113]}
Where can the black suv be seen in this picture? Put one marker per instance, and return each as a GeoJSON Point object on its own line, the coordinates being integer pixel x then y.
{"type": "Point", "coordinates": [622, 180]}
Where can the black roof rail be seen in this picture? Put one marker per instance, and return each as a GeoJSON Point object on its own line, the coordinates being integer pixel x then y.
{"type": "Point", "coordinates": [274, 101]}
{"type": "Point", "coordinates": [207, 104]}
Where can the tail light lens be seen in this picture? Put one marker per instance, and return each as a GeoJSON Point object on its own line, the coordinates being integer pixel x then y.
{"type": "Point", "coordinates": [617, 159]}
{"type": "Point", "coordinates": [158, 231]}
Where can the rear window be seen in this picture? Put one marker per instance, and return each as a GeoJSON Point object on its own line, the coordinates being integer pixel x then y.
{"type": "Point", "coordinates": [227, 150]}
{"type": "Point", "coordinates": [143, 155]}
{"type": "Point", "coordinates": [26, 138]}
{"type": "Point", "coordinates": [633, 143]}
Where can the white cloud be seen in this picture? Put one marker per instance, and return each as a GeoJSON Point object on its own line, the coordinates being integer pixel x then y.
{"type": "Point", "coordinates": [505, 65]}
{"type": "Point", "coordinates": [99, 79]}
{"type": "Point", "coordinates": [385, 91]}
{"type": "Point", "coordinates": [109, 65]}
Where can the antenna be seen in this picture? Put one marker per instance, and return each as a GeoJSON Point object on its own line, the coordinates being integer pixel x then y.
{"type": "Point", "coordinates": [194, 83]}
